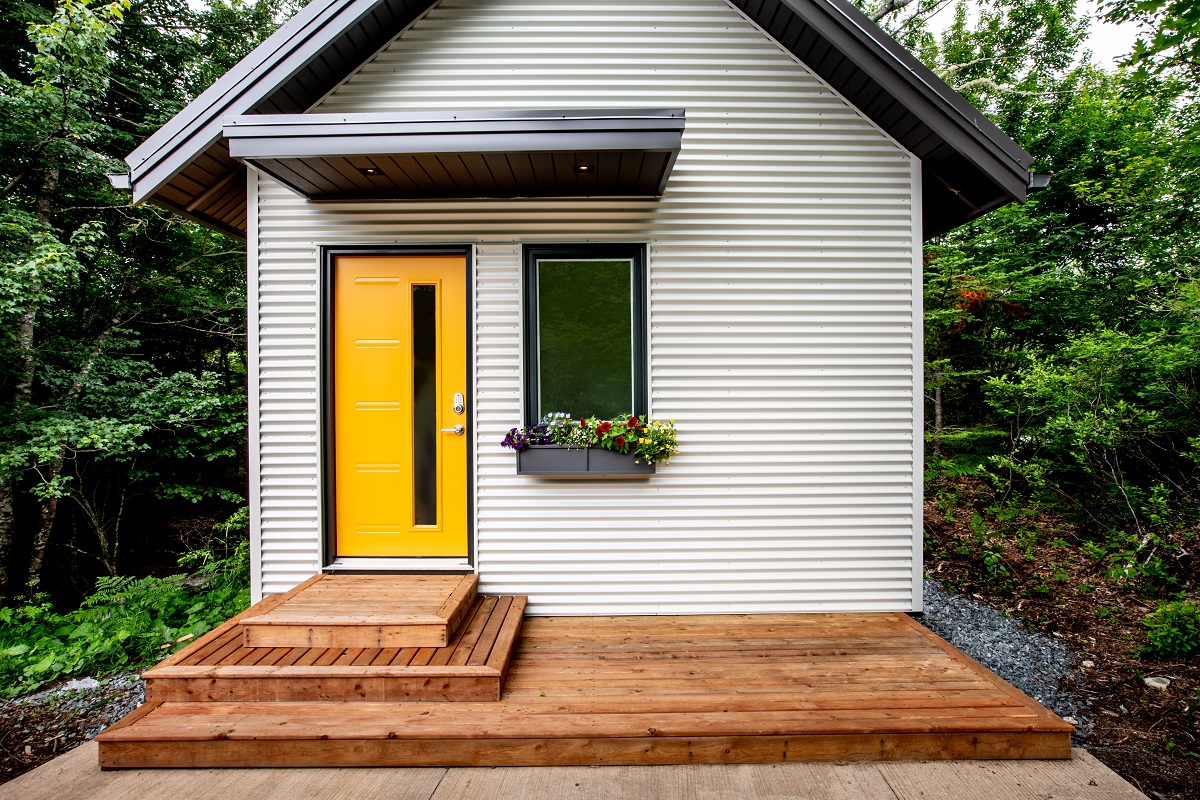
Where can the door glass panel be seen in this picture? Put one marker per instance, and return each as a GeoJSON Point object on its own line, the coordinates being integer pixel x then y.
{"type": "Point", "coordinates": [425, 431]}
{"type": "Point", "coordinates": [585, 337]}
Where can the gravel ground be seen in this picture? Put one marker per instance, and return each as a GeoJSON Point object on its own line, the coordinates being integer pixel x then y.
{"type": "Point", "coordinates": [1038, 665]}
{"type": "Point", "coordinates": [37, 727]}
{"type": "Point", "coordinates": [103, 702]}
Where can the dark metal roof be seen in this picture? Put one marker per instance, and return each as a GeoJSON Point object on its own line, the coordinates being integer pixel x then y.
{"type": "Point", "coordinates": [969, 165]}
{"type": "Point", "coordinates": [471, 154]}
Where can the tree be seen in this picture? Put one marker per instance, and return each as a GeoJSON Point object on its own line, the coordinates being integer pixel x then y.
{"type": "Point", "coordinates": [1172, 32]}
{"type": "Point", "coordinates": [124, 363]}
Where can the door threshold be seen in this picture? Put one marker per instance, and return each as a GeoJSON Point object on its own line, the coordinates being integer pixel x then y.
{"type": "Point", "coordinates": [451, 565]}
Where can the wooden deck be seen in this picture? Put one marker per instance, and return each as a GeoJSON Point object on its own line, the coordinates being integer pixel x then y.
{"type": "Point", "coordinates": [366, 611]}
{"type": "Point", "coordinates": [630, 690]}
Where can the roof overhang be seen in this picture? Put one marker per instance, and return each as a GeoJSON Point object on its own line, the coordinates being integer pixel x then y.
{"type": "Point", "coordinates": [465, 154]}
{"type": "Point", "coordinates": [969, 165]}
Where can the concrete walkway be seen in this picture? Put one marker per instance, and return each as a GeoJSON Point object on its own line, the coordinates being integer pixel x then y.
{"type": "Point", "coordinates": [75, 776]}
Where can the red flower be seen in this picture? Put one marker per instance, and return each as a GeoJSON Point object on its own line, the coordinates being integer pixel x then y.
{"type": "Point", "coordinates": [619, 441]}
{"type": "Point", "coordinates": [634, 422]}
{"type": "Point", "coordinates": [605, 427]}
{"type": "Point", "coordinates": [583, 422]}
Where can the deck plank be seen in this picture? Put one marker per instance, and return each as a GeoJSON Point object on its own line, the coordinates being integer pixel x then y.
{"type": "Point", "coordinates": [624, 690]}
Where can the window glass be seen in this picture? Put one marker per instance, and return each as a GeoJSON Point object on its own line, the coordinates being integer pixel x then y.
{"type": "Point", "coordinates": [585, 336]}
{"type": "Point", "coordinates": [425, 431]}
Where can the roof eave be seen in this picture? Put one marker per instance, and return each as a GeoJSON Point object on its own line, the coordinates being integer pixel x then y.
{"type": "Point", "coordinates": [916, 86]}
{"type": "Point", "coordinates": [232, 93]}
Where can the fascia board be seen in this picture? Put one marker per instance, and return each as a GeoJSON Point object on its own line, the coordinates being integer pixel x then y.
{"type": "Point", "coordinates": [350, 145]}
{"type": "Point", "coordinates": [249, 82]}
{"type": "Point", "coordinates": [464, 121]}
{"type": "Point", "coordinates": [315, 136]}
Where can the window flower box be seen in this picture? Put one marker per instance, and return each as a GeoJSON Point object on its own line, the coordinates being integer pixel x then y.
{"type": "Point", "coordinates": [561, 446]}
{"type": "Point", "coordinates": [591, 462]}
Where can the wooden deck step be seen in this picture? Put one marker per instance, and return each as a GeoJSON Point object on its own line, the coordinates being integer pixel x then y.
{"type": "Point", "coordinates": [641, 690]}
{"type": "Point", "coordinates": [366, 611]}
{"type": "Point", "coordinates": [472, 666]}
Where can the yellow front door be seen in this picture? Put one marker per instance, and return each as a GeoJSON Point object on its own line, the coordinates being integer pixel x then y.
{"type": "Point", "coordinates": [399, 390]}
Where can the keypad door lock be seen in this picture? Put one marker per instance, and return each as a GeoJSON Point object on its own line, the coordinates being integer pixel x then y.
{"type": "Point", "coordinates": [459, 403]}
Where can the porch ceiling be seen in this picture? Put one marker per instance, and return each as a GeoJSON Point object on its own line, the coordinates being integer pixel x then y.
{"type": "Point", "coordinates": [610, 152]}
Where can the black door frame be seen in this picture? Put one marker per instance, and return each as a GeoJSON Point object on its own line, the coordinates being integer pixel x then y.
{"type": "Point", "coordinates": [328, 258]}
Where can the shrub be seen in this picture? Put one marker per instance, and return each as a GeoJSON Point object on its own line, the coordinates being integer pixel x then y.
{"type": "Point", "coordinates": [1173, 630]}
{"type": "Point", "coordinates": [126, 624]}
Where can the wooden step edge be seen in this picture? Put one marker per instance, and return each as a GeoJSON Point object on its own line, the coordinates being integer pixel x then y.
{"type": "Point", "coordinates": [348, 620]}
{"type": "Point", "coordinates": [343, 671]}
{"type": "Point", "coordinates": [130, 718]}
{"type": "Point", "coordinates": [585, 752]}
{"type": "Point", "coordinates": [1056, 722]}
{"type": "Point", "coordinates": [344, 636]}
{"type": "Point", "coordinates": [325, 720]}
{"type": "Point", "coordinates": [261, 607]}
{"type": "Point", "coordinates": [454, 610]}
{"type": "Point", "coordinates": [501, 657]}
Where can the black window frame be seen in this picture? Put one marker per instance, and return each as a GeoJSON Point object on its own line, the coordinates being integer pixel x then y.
{"type": "Point", "coordinates": [639, 290]}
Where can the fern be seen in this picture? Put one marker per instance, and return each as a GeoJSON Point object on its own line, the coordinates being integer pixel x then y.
{"type": "Point", "coordinates": [126, 623]}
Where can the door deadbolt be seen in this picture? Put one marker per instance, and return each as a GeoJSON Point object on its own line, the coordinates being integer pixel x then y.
{"type": "Point", "coordinates": [459, 403]}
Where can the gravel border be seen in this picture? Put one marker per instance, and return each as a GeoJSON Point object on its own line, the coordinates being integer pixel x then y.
{"type": "Point", "coordinates": [1037, 664]}
{"type": "Point", "coordinates": [120, 695]}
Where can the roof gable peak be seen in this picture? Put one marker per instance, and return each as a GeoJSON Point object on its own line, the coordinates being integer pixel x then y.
{"type": "Point", "coordinates": [970, 166]}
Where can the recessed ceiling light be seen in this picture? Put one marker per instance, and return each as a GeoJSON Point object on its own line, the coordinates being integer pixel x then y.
{"type": "Point", "coordinates": [584, 168]}
{"type": "Point", "coordinates": [373, 172]}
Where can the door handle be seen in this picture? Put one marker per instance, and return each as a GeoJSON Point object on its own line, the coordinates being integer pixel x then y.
{"type": "Point", "coordinates": [457, 430]}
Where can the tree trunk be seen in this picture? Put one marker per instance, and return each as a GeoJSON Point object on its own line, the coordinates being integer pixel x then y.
{"type": "Point", "coordinates": [22, 398]}
{"type": "Point", "coordinates": [49, 506]}
{"type": "Point", "coordinates": [41, 537]}
{"type": "Point", "coordinates": [6, 534]}
{"type": "Point", "coordinates": [938, 414]}
{"type": "Point", "coordinates": [27, 361]}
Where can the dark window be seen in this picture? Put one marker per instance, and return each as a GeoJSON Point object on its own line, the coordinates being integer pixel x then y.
{"type": "Point", "coordinates": [585, 330]}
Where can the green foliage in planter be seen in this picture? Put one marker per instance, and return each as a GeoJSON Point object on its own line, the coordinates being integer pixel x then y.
{"type": "Point", "coordinates": [648, 440]}
{"type": "Point", "coordinates": [1173, 630]}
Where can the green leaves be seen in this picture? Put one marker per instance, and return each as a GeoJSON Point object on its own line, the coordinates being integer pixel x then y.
{"type": "Point", "coordinates": [1173, 630]}
{"type": "Point", "coordinates": [125, 623]}
{"type": "Point", "coordinates": [72, 49]}
{"type": "Point", "coordinates": [1171, 31]}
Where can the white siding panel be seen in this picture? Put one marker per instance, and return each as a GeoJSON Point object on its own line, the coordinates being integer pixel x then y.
{"type": "Point", "coordinates": [781, 319]}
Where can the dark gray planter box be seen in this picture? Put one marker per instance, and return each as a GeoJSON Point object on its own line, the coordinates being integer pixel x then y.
{"type": "Point", "coordinates": [552, 460]}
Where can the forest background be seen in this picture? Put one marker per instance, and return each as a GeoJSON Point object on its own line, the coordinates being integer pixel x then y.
{"type": "Point", "coordinates": [1062, 336]}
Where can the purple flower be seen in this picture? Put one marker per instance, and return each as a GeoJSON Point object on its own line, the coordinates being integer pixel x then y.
{"type": "Point", "coordinates": [520, 438]}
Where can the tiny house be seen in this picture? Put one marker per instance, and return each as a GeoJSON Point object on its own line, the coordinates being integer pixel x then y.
{"type": "Point", "coordinates": [463, 215]}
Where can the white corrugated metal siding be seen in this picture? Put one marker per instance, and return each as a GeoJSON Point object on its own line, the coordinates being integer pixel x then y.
{"type": "Point", "coordinates": [781, 319]}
